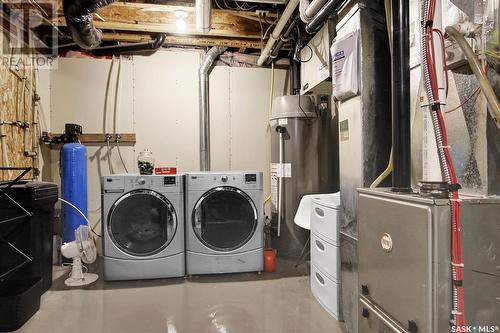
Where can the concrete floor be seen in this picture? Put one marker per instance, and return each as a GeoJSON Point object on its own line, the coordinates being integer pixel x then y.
{"type": "Point", "coordinates": [234, 303]}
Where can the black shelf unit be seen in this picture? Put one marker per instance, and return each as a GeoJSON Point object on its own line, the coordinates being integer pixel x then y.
{"type": "Point", "coordinates": [19, 292]}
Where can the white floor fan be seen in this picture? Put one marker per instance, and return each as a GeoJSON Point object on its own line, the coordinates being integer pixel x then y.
{"type": "Point", "coordinates": [82, 249]}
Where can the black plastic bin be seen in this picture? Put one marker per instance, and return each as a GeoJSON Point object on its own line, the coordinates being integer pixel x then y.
{"type": "Point", "coordinates": [19, 301]}
{"type": "Point", "coordinates": [34, 235]}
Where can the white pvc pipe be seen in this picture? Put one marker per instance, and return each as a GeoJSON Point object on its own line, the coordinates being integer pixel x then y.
{"type": "Point", "coordinates": [280, 186]}
{"type": "Point", "coordinates": [287, 13]}
{"type": "Point", "coordinates": [314, 8]}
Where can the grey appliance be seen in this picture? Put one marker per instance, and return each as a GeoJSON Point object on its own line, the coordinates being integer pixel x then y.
{"type": "Point", "coordinates": [143, 226]}
{"type": "Point", "coordinates": [364, 137]}
{"type": "Point", "coordinates": [308, 143]}
{"type": "Point", "coordinates": [225, 221]}
{"type": "Point", "coordinates": [405, 268]}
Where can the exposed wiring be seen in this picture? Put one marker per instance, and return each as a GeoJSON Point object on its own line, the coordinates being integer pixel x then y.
{"type": "Point", "coordinates": [476, 92]}
{"type": "Point", "coordinates": [428, 8]}
{"type": "Point", "coordinates": [477, 68]}
{"type": "Point", "coordinates": [310, 49]}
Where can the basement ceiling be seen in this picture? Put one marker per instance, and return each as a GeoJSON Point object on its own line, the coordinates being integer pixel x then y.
{"type": "Point", "coordinates": [234, 24]}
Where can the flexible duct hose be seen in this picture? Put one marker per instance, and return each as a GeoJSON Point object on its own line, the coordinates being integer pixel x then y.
{"type": "Point", "coordinates": [78, 14]}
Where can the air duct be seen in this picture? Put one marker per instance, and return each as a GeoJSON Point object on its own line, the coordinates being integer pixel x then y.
{"type": "Point", "coordinates": [204, 100]}
{"type": "Point", "coordinates": [203, 10]}
{"type": "Point", "coordinates": [78, 14]}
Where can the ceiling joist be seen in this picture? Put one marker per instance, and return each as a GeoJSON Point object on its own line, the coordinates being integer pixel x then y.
{"type": "Point", "coordinates": [136, 22]}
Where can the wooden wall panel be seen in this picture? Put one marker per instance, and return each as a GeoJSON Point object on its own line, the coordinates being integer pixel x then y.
{"type": "Point", "coordinates": [16, 105]}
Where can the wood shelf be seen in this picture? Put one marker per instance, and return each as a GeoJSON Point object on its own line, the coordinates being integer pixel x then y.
{"type": "Point", "coordinates": [99, 138]}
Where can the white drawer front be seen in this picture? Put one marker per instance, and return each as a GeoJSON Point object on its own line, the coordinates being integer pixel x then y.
{"type": "Point", "coordinates": [324, 222]}
{"type": "Point", "coordinates": [325, 256]}
{"type": "Point", "coordinates": [326, 291]}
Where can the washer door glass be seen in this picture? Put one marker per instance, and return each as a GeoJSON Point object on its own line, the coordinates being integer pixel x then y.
{"type": "Point", "coordinates": [142, 222]}
{"type": "Point", "coordinates": [224, 218]}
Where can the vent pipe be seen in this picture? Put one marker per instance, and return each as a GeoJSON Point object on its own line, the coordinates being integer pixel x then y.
{"type": "Point", "coordinates": [203, 11]}
{"type": "Point", "coordinates": [401, 174]}
{"type": "Point", "coordinates": [142, 48]}
{"type": "Point", "coordinates": [78, 14]}
{"type": "Point", "coordinates": [204, 101]}
{"type": "Point", "coordinates": [275, 35]}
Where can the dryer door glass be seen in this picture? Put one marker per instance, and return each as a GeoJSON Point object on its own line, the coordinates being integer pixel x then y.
{"type": "Point", "coordinates": [224, 218]}
{"type": "Point", "coordinates": [142, 222]}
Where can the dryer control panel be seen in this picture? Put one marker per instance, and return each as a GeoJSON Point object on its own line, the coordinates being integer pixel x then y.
{"type": "Point", "coordinates": [251, 180]}
{"type": "Point", "coordinates": [160, 183]}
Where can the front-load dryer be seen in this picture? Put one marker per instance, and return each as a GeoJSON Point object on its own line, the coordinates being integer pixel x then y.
{"type": "Point", "coordinates": [224, 222]}
{"type": "Point", "coordinates": [143, 226]}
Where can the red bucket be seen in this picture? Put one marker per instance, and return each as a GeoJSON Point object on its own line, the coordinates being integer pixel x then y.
{"type": "Point", "coordinates": [269, 260]}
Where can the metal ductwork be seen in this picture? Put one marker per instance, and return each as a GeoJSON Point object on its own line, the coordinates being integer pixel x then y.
{"type": "Point", "coordinates": [78, 14]}
{"type": "Point", "coordinates": [203, 11]}
{"type": "Point", "coordinates": [204, 102]}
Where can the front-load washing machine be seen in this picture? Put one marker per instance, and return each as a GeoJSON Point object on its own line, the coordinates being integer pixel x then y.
{"type": "Point", "coordinates": [224, 222]}
{"type": "Point", "coordinates": [143, 226]}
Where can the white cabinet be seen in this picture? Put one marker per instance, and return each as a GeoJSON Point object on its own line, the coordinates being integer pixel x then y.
{"type": "Point", "coordinates": [325, 254]}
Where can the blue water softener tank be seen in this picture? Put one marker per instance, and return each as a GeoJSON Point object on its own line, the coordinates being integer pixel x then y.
{"type": "Point", "coordinates": [73, 184]}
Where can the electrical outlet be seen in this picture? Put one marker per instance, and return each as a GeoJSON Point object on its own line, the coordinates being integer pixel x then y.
{"type": "Point", "coordinates": [262, 12]}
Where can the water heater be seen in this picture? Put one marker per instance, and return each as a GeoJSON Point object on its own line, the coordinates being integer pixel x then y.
{"type": "Point", "coordinates": [304, 156]}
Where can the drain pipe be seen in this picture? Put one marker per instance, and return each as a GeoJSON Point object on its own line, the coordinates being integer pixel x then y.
{"type": "Point", "coordinates": [78, 14]}
{"type": "Point", "coordinates": [309, 9]}
{"type": "Point", "coordinates": [204, 100]}
{"type": "Point", "coordinates": [286, 36]}
{"type": "Point", "coordinates": [145, 48]}
{"type": "Point", "coordinates": [330, 8]}
{"type": "Point", "coordinates": [287, 13]}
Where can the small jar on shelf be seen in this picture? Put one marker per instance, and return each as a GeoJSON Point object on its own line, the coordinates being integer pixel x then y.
{"type": "Point", "coordinates": [146, 162]}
